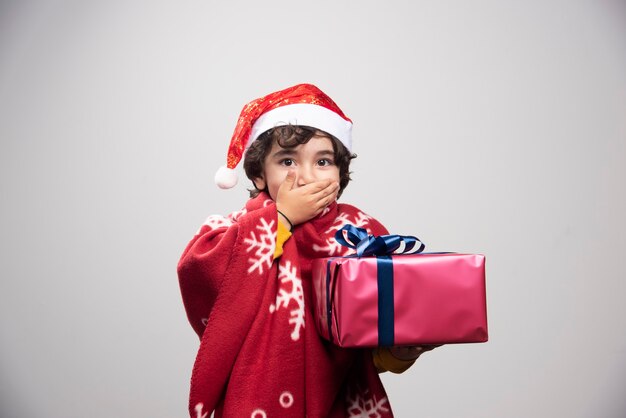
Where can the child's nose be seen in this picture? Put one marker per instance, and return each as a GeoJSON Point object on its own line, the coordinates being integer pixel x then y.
{"type": "Point", "coordinates": [305, 176]}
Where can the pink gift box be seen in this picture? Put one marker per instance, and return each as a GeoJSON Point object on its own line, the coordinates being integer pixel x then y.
{"type": "Point", "coordinates": [432, 298]}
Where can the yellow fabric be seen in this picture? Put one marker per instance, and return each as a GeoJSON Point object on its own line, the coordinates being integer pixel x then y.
{"type": "Point", "coordinates": [282, 235]}
{"type": "Point", "coordinates": [385, 361]}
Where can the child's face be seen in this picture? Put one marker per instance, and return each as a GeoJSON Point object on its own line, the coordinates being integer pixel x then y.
{"type": "Point", "coordinates": [311, 162]}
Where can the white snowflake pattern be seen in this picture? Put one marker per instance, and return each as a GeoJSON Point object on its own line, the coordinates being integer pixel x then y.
{"type": "Point", "coordinates": [332, 247]}
{"type": "Point", "coordinates": [363, 407]}
{"type": "Point", "coordinates": [216, 221]}
{"type": "Point", "coordinates": [219, 221]}
{"type": "Point", "coordinates": [290, 289]}
{"type": "Point", "coordinates": [263, 246]}
{"type": "Point", "coordinates": [234, 217]}
{"type": "Point", "coordinates": [198, 408]}
{"type": "Point", "coordinates": [339, 223]}
{"type": "Point", "coordinates": [362, 220]}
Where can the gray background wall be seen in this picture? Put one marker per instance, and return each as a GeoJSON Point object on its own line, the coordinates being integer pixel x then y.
{"type": "Point", "coordinates": [490, 126]}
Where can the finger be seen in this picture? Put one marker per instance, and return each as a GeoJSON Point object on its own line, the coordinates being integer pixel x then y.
{"type": "Point", "coordinates": [332, 197]}
{"type": "Point", "coordinates": [317, 186]}
{"type": "Point", "coordinates": [326, 202]}
{"type": "Point", "coordinates": [323, 204]}
{"type": "Point", "coordinates": [413, 351]}
{"type": "Point", "coordinates": [332, 188]}
{"type": "Point", "coordinates": [405, 353]}
{"type": "Point", "coordinates": [428, 347]}
{"type": "Point", "coordinates": [320, 200]}
{"type": "Point", "coordinates": [289, 180]}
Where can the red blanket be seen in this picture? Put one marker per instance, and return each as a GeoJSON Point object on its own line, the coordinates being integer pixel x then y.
{"type": "Point", "coordinates": [260, 355]}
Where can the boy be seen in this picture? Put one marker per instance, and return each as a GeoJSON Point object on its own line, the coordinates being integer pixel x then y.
{"type": "Point", "coordinates": [245, 278]}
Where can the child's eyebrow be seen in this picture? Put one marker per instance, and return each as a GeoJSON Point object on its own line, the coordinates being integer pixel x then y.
{"type": "Point", "coordinates": [325, 153]}
{"type": "Point", "coordinates": [284, 153]}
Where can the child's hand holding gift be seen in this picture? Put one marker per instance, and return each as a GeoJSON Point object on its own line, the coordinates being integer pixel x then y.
{"type": "Point", "coordinates": [409, 353]}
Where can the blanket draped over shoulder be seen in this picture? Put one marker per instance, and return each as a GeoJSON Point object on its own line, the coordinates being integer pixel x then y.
{"type": "Point", "coordinates": [260, 355]}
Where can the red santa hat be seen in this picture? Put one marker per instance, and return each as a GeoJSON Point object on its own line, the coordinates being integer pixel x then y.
{"type": "Point", "coordinates": [303, 104]}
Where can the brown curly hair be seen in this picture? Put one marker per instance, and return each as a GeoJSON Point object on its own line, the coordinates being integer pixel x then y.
{"type": "Point", "coordinates": [290, 136]}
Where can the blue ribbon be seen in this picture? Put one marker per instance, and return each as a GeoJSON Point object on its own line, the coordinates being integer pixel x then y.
{"type": "Point", "coordinates": [386, 328]}
{"type": "Point", "coordinates": [382, 247]}
{"type": "Point", "coordinates": [368, 245]}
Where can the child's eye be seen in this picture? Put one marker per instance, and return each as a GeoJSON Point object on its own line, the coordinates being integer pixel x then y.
{"type": "Point", "coordinates": [324, 162]}
{"type": "Point", "coordinates": [287, 162]}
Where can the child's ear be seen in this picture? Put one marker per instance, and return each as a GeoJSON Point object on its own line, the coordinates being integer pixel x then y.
{"type": "Point", "coordinates": [259, 183]}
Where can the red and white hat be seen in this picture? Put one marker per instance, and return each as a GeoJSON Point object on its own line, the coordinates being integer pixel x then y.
{"type": "Point", "coordinates": [303, 104]}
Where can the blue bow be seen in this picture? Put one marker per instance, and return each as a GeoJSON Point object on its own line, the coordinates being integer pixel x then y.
{"type": "Point", "coordinates": [369, 245]}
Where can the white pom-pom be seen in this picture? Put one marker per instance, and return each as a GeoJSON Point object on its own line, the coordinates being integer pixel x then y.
{"type": "Point", "coordinates": [225, 177]}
